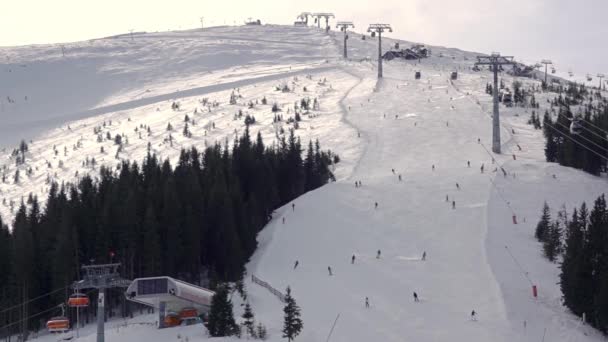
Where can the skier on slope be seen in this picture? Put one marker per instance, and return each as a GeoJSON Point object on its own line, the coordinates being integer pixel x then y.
{"type": "Point", "coordinates": [283, 220]}
{"type": "Point", "coordinates": [376, 205]}
{"type": "Point", "coordinates": [293, 207]}
{"type": "Point", "coordinates": [378, 254]}
{"type": "Point", "coordinates": [352, 260]}
{"type": "Point", "coordinates": [424, 256]}
{"type": "Point", "coordinates": [415, 297]}
{"type": "Point", "coordinates": [457, 186]}
{"type": "Point", "coordinates": [400, 177]}
{"type": "Point", "coordinates": [453, 204]}
{"type": "Point", "coordinates": [473, 315]}
{"type": "Point", "coordinates": [329, 270]}
{"type": "Point", "coordinates": [481, 168]}
{"type": "Point", "coordinates": [468, 163]}
{"type": "Point", "coordinates": [295, 265]}
{"type": "Point", "coordinates": [366, 302]}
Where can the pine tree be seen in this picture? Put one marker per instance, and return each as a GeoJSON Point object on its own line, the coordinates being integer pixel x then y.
{"type": "Point", "coordinates": [570, 278]}
{"type": "Point", "coordinates": [249, 322]}
{"type": "Point", "coordinates": [543, 225]}
{"type": "Point", "coordinates": [261, 332]}
{"type": "Point", "coordinates": [292, 324]}
{"type": "Point", "coordinates": [551, 146]}
{"type": "Point", "coordinates": [552, 245]}
{"type": "Point", "coordinates": [221, 319]}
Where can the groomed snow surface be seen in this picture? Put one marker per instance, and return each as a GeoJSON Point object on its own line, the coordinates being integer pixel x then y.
{"type": "Point", "coordinates": [477, 259]}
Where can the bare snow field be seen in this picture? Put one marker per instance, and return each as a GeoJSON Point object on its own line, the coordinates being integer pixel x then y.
{"type": "Point", "coordinates": [426, 130]}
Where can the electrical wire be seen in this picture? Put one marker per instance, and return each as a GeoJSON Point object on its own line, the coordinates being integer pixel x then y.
{"type": "Point", "coordinates": [34, 299]}
{"type": "Point", "coordinates": [580, 136]}
{"type": "Point", "coordinates": [32, 316]}
{"type": "Point", "coordinates": [586, 128]}
{"type": "Point", "coordinates": [585, 147]}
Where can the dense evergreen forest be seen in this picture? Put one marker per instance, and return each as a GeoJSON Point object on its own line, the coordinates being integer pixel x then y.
{"type": "Point", "coordinates": [587, 149]}
{"type": "Point", "coordinates": [581, 243]}
{"type": "Point", "coordinates": [197, 221]}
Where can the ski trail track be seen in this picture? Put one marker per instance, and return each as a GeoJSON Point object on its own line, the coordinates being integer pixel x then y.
{"type": "Point", "coordinates": [332, 223]}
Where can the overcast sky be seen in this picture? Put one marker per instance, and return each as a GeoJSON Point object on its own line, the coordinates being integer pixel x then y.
{"type": "Point", "coordinates": [574, 33]}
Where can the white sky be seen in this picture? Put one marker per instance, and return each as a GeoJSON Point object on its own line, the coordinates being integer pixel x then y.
{"type": "Point", "coordinates": [574, 33]}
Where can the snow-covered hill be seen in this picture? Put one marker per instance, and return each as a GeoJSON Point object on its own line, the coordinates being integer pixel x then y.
{"type": "Point", "coordinates": [425, 130]}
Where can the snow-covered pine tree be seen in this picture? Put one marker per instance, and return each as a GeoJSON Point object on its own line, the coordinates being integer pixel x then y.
{"type": "Point", "coordinates": [221, 318]}
{"type": "Point", "coordinates": [249, 322]}
{"type": "Point", "coordinates": [292, 324]}
{"type": "Point", "coordinates": [543, 225]}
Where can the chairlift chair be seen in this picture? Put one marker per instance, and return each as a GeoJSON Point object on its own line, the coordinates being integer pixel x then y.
{"type": "Point", "coordinates": [576, 127]}
{"type": "Point", "coordinates": [78, 300]}
{"type": "Point", "coordinates": [58, 324]}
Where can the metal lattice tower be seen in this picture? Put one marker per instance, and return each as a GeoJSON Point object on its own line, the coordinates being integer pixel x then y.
{"type": "Point", "coordinates": [495, 61]}
{"type": "Point", "coordinates": [546, 62]}
{"type": "Point", "coordinates": [600, 76]}
{"type": "Point", "coordinates": [101, 277]}
{"type": "Point", "coordinates": [343, 26]}
{"type": "Point", "coordinates": [323, 15]}
{"type": "Point", "coordinates": [378, 29]}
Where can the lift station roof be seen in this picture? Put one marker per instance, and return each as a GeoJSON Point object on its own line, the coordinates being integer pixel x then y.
{"type": "Point", "coordinates": [175, 293]}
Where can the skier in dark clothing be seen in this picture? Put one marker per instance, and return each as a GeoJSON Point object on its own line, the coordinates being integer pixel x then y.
{"type": "Point", "coordinates": [352, 260]}
{"type": "Point", "coordinates": [376, 205]}
{"type": "Point", "coordinates": [293, 207]}
{"type": "Point", "coordinates": [468, 163]}
{"type": "Point", "coordinates": [453, 204]}
{"type": "Point", "coordinates": [366, 302]}
{"type": "Point", "coordinates": [457, 186]}
{"type": "Point", "coordinates": [424, 256]}
{"type": "Point", "coordinates": [295, 265]}
{"type": "Point", "coordinates": [329, 270]}
{"type": "Point", "coordinates": [415, 297]}
{"type": "Point", "coordinates": [378, 254]}
{"type": "Point", "coordinates": [400, 177]}
{"type": "Point", "coordinates": [473, 315]}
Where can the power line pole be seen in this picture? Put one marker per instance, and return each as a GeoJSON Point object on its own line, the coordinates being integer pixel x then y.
{"type": "Point", "coordinates": [378, 29]}
{"type": "Point", "coordinates": [495, 61]}
{"type": "Point", "coordinates": [202, 23]}
{"type": "Point", "coordinates": [101, 277]}
{"type": "Point", "coordinates": [131, 33]}
{"type": "Point", "coordinates": [546, 62]}
{"type": "Point", "coordinates": [600, 76]}
{"type": "Point", "coordinates": [343, 26]}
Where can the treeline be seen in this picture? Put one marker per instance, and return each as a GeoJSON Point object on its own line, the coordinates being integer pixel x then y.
{"type": "Point", "coordinates": [586, 148]}
{"type": "Point", "coordinates": [197, 222]}
{"type": "Point", "coordinates": [582, 244]}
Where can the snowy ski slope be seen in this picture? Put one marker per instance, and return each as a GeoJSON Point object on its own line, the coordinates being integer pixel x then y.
{"type": "Point", "coordinates": [399, 123]}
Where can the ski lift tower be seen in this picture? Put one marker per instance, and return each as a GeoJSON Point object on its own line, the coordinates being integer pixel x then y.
{"type": "Point", "coordinates": [600, 76]}
{"type": "Point", "coordinates": [378, 29]}
{"type": "Point", "coordinates": [323, 15]}
{"type": "Point", "coordinates": [546, 62]}
{"type": "Point", "coordinates": [304, 16]}
{"type": "Point", "coordinates": [101, 277]}
{"type": "Point", "coordinates": [343, 26]}
{"type": "Point", "coordinates": [495, 61]}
